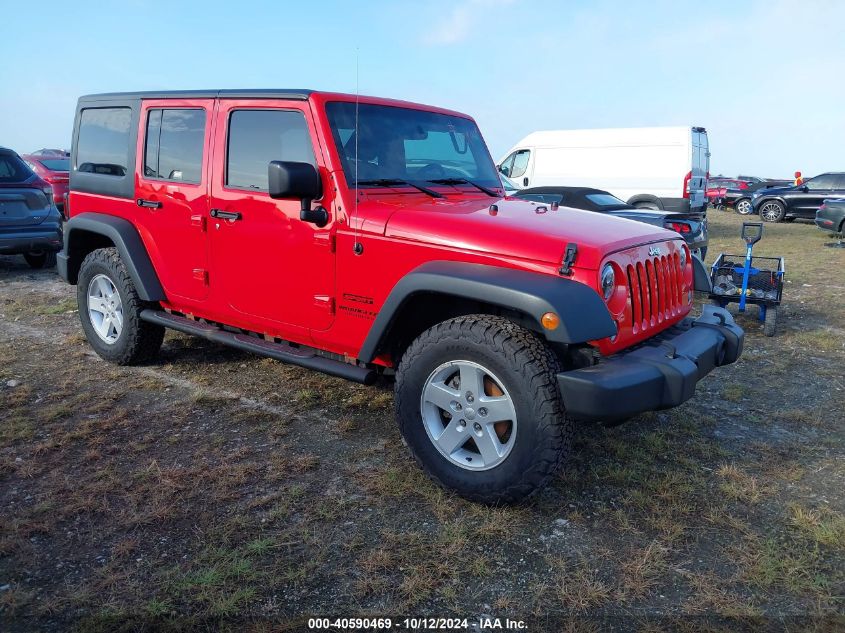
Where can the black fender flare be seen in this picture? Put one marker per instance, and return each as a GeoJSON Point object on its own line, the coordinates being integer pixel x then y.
{"type": "Point", "coordinates": [583, 314]}
{"type": "Point", "coordinates": [126, 240]}
{"type": "Point", "coordinates": [644, 197]}
{"type": "Point", "coordinates": [700, 276]}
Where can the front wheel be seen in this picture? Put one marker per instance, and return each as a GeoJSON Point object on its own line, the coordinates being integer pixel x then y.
{"type": "Point", "coordinates": [478, 405]}
{"type": "Point", "coordinates": [770, 324]}
{"type": "Point", "coordinates": [772, 211]}
{"type": "Point", "coordinates": [744, 207]}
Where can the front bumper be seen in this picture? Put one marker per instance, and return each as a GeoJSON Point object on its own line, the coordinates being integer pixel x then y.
{"type": "Point", "coordinates": [659, 374]}
{"type": "Point", "coordinates": [29, 239]}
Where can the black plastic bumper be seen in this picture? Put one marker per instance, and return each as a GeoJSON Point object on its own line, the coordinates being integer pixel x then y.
{"type": "Point", "coordinates": [26, 240]}
{"type": "Point", "coordinates": [660, 374]}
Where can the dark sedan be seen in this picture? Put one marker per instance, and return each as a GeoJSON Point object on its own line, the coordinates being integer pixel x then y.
{"type": "Point", "coordinates": [831, 216]}
{"type": "Point", "coordinates": [691, 226]}
{"type": "Point", "coordinates": [30, 224]}
{"type": "Point", "coordinates": [800, 201]}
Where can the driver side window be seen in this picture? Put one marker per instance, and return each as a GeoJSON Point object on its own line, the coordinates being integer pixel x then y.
{"type": "Point", "coordinates": [824, 182]}
{"type": "Point", "coordinates": [520, 163]}
{"type": "Point", "coordinates": [507, 164]}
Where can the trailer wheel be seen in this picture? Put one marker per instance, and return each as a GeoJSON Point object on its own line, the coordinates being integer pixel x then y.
{"type": "Point", "coordinates": [771, 322]}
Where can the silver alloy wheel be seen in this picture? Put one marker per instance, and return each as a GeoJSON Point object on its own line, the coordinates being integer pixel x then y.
{"type": "Point", "coordinates": [743, 207]}
{"type": "Point", "coordinates": [770, 211]}
{"type": "Point", "coordinates": [463, 401]}
{"type": "Point", "coordinates": [105, 309]}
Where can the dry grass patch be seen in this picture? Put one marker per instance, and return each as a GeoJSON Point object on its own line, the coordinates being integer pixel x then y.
{"type": "Point", "coordinates": [823, 526]}
{"type": "Point", "coordinates": [737, 485]}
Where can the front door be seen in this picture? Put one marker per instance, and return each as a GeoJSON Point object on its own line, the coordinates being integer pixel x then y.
{"type": "Point", "coordinates": [818, 188]}
{"type": "Point", "coordinates": [268, 265]}
{"type": "Point", "coordinates": [172, 192]}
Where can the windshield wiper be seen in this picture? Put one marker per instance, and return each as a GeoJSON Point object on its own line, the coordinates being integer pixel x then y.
{"type": "Point", "coordinates": [387, 182]}
{"type": "Point", "coordinates": [464, 181]}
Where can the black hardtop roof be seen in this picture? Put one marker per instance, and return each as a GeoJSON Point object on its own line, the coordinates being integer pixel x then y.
{"type": "Point", "coordinates": [257, 93]}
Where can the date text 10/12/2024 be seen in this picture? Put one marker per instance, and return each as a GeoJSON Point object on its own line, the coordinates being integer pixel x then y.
{"type": "Point", "coordinates": [416, 624]}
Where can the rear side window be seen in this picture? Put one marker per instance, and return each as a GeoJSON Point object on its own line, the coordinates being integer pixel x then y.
{"type": "Point", "coordinates": [604, 199]}
{"type": "Point", "coordinates": [257, 137]}
{"type": "Point", "coordinates": [13, 169]}
{"type": "Point", "coordinates": [103, 145]}
{"type": "Point", "coordinates": [174, 144]}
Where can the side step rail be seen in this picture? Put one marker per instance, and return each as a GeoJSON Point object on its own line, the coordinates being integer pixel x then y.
{"type": "Point", "coordinates": [303, 357]}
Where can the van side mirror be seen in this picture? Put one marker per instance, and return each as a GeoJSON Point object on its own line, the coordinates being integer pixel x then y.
{"type": "Point", "coordinates": [289, 179]}
{"type": "Point", "coordinates": [504, 170]}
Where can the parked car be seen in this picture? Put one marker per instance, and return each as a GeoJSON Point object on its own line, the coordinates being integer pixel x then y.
{"type": "Point", "coordinates": [661, 168]}
{"type": "Point", "coordinates": [831, 215]}
{"type": "Point", "coordinates": [30, 225]}
{"type": "Point", "coordinates": [55, 170]}
{"type": "Point", "coordinates": [51, 152]}
{"type": "Point", "coordinates": [799, 201]}
{"type": "Point", "coordinates": [730, 192]}
{"type": "Point", "coordinates": [366, 236]}
{"type": "Point", "coordinates": [691, 226]}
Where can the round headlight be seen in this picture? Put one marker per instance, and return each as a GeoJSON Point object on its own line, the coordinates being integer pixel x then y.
{"type": "Point", "coordinates": [683, 257]}
{"type": "Point", "coordinates": [608, 281]}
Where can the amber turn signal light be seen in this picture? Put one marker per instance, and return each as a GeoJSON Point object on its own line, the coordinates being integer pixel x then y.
{"type": "Point", "coordinates": [550, 320]}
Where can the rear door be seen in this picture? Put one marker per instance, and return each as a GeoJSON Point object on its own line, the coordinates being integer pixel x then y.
{"type": "Point", "coordinates": [172, 191]}
{"type": "Point", "coordinates": [700, 166]}
{"type": "Point", "coordinates": [269, 265]}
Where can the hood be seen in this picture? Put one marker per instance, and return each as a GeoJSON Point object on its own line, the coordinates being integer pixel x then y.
{"type": "Point", "coordinates": [512, 228]}
{"type": "Point", "coordinates": [774, 191]}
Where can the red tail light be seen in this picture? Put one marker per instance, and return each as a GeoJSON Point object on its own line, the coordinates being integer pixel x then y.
{"type": "Point", "coordinates": [686, 184]}
{"type": "Point", "coordinates": [678, 227]}
{"type": "Point", "coordinates": [743, 185]}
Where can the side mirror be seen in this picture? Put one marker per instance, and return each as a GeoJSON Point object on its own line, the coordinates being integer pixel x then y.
{"type": "Point", "coordinates": [289, 179]}
{"type": "Point", "coordinates": [504, 170]}
{"type": "Point", "coordinates": [805, 188]}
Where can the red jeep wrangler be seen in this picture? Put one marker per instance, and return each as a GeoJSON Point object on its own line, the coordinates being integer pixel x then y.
{"type": "Point", "coordinates": [363, 236]}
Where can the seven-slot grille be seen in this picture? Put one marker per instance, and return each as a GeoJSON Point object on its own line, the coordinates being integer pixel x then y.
{"type": "Point", "coordinates": [655, 290]}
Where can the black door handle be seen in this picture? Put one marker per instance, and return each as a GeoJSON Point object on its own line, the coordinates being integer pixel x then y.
{"type": "Point", "coordinates": [225, 215]}
{"type": "Point", "coordinates": [148, 204]}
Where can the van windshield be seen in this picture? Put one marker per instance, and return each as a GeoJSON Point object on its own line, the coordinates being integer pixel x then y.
{"type": "Point", "coordinates": [410, 145]}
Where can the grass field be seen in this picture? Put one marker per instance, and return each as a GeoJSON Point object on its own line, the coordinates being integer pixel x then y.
{"type": "Point", "coordinates": [215, 489]}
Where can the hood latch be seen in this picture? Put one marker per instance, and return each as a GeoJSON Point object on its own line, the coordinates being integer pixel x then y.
{"type": "Point", "coordinates": [569, 257]}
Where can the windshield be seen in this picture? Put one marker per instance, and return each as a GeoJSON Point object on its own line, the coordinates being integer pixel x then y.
{"type": "Point", "coordinates": [411, 145]}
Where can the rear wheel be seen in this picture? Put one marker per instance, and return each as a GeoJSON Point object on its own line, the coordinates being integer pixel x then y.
{"type": "Point", "coordinates": [743, 206]}
{"type": "Point", "coordinates": [478, 405]}
{"type": "Point", "coordinates": [40, 259]}
{"type": "Point", "coordinates": [110, 309]}
{"type": "Point", "coordinates": [771, 322]}
{"type": "Point", "coordinates": [772, 211]}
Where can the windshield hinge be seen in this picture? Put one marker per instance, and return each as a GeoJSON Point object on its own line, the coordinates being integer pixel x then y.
{"type": "Point", "coordinates": [569, 257]}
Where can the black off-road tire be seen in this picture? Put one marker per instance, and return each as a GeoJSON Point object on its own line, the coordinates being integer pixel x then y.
{"type": "Point", "coordinates": [770, 325]}
{"type": "Point", "coordinates": [42, 259]}
{"type": "Point", "coordinates": [139, 341]}
{"type": "Point", "coordinates": [527, 367]}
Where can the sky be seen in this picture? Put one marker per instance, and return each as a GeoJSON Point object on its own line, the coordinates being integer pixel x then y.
{"type": "Point", "coordinates": [764, 77]}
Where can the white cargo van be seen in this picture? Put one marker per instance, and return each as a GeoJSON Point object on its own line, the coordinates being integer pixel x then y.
{"type": "Point", "coordinates": [649, 167]}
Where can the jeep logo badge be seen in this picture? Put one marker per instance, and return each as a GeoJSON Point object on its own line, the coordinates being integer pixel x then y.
{"type": "Point", "coordinates": [654, 251]}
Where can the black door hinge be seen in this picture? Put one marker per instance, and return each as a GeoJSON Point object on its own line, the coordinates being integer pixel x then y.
{"type": "Point", "coordinates": [569, 257]}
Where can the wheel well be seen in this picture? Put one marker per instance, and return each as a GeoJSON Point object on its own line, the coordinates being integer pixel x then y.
{"type": "Point", "coordinates": [423, 310]}
{"type": "Point", "coordinates": [81, 242]}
